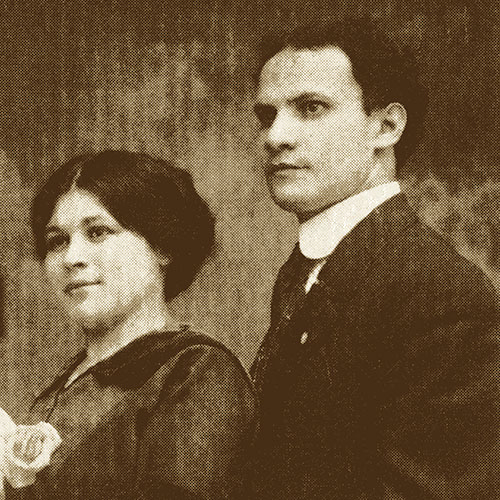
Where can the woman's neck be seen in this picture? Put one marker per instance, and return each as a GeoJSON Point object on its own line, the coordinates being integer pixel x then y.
{"type": "Point", "coordinates": [150, 317]}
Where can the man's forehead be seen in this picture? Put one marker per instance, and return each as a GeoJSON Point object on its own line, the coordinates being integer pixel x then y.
{"type": "Point", "coordinates": [327, 69]}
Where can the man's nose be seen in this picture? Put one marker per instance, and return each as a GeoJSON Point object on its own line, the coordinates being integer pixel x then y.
{"type": "Point", "coordinates": [76, 254]}
{"type": "Point", "coordinates": [282, 134]}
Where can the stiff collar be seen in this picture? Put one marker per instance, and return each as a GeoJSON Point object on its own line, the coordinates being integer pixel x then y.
{"type": "Point", "coordinates": [320, 235]}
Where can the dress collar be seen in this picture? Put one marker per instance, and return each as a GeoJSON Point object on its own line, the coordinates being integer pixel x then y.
{"type": "Point", "coordinates": [138, 360]}
{"type": "Point", "coordinates": [320, 235]}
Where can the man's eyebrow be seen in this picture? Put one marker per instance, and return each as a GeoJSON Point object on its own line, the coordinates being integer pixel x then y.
{"type": "Point", "coordinates": [307, 96]}
{"type": "Point", "coordinates": [304, 96]}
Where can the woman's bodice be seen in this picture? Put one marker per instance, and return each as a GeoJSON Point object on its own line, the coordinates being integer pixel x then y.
{"type": "Point", "coordinates": [168, 416]}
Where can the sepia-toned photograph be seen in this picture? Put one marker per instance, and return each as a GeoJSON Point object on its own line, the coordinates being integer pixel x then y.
{"type": "Point", "coordinates": [250, 250]}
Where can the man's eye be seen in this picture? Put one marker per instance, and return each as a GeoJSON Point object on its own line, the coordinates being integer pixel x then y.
{"type": "Point", "coordinates": [265, 115]}
{"type": "Point", "coordinates": [312, 108]}
{"type": "Point", "coordinates": [98, 233]}
{"type": "Point", "coordinates": [56, 242]}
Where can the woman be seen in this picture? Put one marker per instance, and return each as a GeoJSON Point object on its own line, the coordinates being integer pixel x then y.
{"type": "Point", "coordinates": [150, 409]}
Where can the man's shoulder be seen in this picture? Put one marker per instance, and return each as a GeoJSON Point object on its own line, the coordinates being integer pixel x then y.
{"type": "Point", "coordinates": [423, 262]}
{"type": "Point", "coordinates": [392, 255]}
{"type": "Point", "coordinates": [424, 251]}
{"type": "Point", "coordinates": [414, 246]}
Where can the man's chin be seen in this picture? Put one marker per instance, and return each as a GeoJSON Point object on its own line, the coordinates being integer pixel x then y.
{"type": "Point", "coordinates": [301, 199]}
{"type": "Point", "coordinates": [294, 205]}
{"type": "Point", "coordinates": [290, 199]}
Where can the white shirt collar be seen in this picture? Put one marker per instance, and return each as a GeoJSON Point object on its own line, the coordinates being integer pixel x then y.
{"type": "Point", "coordinates": [320, 235]}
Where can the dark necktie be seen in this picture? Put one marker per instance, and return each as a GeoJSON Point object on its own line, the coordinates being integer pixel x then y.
{"type": "Point", "coordinates": [291, 293]}
{"type": "Point", "coordinates": [295, 293]}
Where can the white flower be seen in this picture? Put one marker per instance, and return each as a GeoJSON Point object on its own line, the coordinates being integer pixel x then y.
{"type": "Point", "coordinates": [27, 451]}
{"type": "Point", "coordinates": [7, 427]}
{"type": "Point", "coordinates": [24, 451]}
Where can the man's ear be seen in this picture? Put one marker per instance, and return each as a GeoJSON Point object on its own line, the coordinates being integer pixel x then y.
{"type": "Point", "coordinates": [389, 124]}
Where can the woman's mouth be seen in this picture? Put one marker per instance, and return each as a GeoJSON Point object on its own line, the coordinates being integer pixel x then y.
{"type": "Point", "coordinates": [78, 285]}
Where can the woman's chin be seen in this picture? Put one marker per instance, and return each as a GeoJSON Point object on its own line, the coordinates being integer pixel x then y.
{"type": "Point", "coordinates": [90, 319]}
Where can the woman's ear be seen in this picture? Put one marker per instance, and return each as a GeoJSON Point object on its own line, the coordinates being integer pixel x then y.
{"type": "Point", "coordinates": [389, 124]}
{"type": "Point", "coordinates": [164, 258]}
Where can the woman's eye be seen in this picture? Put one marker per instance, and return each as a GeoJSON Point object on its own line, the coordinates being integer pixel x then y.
{"type": "Point", "coordinates": [97, 233]}
{"type": "Point", "coordinates": [56, 242]}
{"type": "Point", "coordinates": [312, 108]}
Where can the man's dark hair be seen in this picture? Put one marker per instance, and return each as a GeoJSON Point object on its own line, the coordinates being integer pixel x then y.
{"type": "Point", "coordinates": [148, 196]}
{"type": "Point", "coordinates": [385, 72]}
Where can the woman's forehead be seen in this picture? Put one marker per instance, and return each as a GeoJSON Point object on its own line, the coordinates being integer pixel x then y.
{"type": "Point", "coordinates": [77, 207]}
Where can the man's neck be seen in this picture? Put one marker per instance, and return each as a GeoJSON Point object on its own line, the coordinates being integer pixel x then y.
{"type": "Point", "coordinates": [382, 172]}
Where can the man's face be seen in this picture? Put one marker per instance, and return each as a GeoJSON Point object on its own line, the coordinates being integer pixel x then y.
{"type": "Point", "coordinates": [318, 138]}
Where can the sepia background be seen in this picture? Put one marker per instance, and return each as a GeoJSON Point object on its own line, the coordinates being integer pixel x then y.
{"type": "Point", "coordinates": [174, 79]}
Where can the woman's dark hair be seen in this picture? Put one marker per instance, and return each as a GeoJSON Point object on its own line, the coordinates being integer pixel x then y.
{"type": "Point", "coordinates": [148, 196]}
{"type": "Point", "coordinates": [385, 72]}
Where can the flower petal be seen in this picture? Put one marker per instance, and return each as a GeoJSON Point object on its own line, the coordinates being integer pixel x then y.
{"type": "Point", "coordinates": [20, 472]}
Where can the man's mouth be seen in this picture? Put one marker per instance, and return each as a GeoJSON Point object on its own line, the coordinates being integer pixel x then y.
{"type": "Point", "coordinates": [278, 167]}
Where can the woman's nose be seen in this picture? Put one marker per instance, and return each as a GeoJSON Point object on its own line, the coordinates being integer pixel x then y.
{"type": "Point", "coordinates": [76, 254]}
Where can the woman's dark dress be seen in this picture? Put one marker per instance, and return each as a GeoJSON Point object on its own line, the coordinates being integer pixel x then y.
{"type": "Point", "coordinates": [169, 416]}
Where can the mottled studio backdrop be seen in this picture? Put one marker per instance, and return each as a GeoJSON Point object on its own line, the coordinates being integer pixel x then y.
{"type": "Point", "coordinates": [174, 78]}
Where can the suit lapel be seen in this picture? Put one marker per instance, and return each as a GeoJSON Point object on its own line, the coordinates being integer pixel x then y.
{"type": "Point", "coordinates": [346, 267]}
{"type": "Point", "coordinates": [285, 282]}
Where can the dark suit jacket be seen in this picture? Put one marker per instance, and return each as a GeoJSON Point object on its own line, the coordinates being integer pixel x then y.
{"type": "Point", "coordinates": [392, 392]}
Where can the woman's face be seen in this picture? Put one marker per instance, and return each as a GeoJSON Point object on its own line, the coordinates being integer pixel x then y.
{"type": "Point", "coordinates": [99, 271]}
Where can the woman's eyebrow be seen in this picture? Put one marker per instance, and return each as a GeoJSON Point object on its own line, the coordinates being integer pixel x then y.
{"type": "Point", "coordinates": [86, 221]}
{"type": "Point", "coordinates": [90, 220]}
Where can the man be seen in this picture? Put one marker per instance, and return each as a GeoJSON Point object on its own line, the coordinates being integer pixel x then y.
{"type": "Point", "coordinates": [377, 376]}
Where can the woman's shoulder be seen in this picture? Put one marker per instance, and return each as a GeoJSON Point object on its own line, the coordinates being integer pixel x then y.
{"type": "Point", "coordinates": [181, 368]}
{"type": "Point", "coordinates": [185, 353]}
{"type": "Point", "coordinates": [161, 364]}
